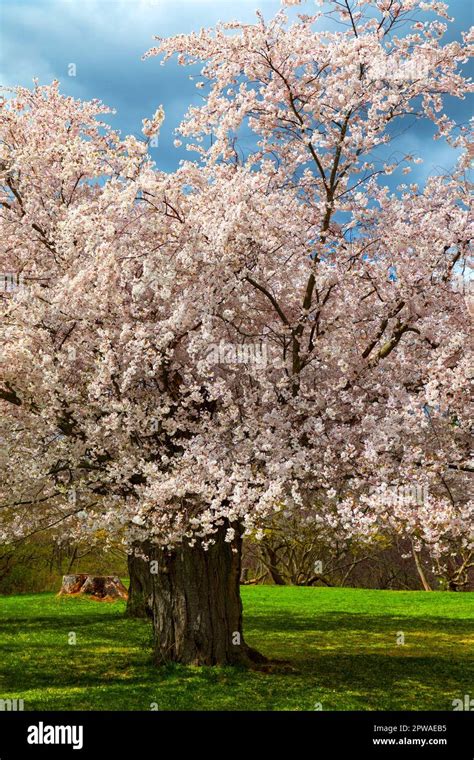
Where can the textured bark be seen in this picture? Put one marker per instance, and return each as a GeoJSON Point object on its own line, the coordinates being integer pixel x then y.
{"type": "Point", "coordinates": [197, 610]}
{"type": "Point", "coordinates": [100, 587]}
{"type": "Point", "coordinates": [272, 564]}
{"type": "Point", "coordinates": [140, 589]}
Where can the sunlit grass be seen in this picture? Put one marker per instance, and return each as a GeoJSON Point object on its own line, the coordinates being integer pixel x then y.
{"type": "Point", "coordinates": [339, 646]}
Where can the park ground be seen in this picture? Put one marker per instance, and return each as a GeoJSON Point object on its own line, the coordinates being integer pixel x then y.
{"type": "Point", "coordinates": [342, 650]}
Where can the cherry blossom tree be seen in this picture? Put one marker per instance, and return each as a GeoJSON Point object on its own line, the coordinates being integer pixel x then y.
{"type": "Point", "coordinates": [185, 354]}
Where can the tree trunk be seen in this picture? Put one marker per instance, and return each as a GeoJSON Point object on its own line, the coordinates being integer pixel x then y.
{"type": "Point", "coordinates": [420, 571]}
{"type": "Point", "coordinates": [271, 563]}
{"type": "Point", "coordinates": [140, 589]}
{"type": "Point", "coordinates": [197, 610]}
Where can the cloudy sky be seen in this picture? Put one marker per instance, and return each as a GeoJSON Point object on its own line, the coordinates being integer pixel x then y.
{"type": "Point", "coordinates": [105, 40]}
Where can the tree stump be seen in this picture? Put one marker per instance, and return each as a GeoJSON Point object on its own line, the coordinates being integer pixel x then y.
{"type": "Point", "coordinates": [103, 588]}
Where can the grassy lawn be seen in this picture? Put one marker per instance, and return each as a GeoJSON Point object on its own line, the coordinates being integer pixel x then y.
{"type": "Point", "coordinates": [341, 645]}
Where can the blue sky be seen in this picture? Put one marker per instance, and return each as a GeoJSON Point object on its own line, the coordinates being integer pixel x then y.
{"type": "Point", "coordinates": [105, 39]}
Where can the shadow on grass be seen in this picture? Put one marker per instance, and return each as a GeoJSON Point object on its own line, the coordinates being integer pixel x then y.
{"type": "Point", "coordinates": [357, 622]}
{"type": "Point", "coordinates": [364, 673]}
{"type": "Point", "coordinates": [114, 642]}
{"type": "Point", "coordinates": [271, 622]}
{"type": "Point", "coordinates": [58, 622]}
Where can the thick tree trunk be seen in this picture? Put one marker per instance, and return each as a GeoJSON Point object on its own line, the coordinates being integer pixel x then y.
{"type": "Point", "coordinates": [197, 610]}
{"type": "Point", "coordinates": [140, 589]}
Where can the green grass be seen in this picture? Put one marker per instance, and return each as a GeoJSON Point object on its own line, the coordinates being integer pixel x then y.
{"type": "Point", "coordinates": [340, 644]}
